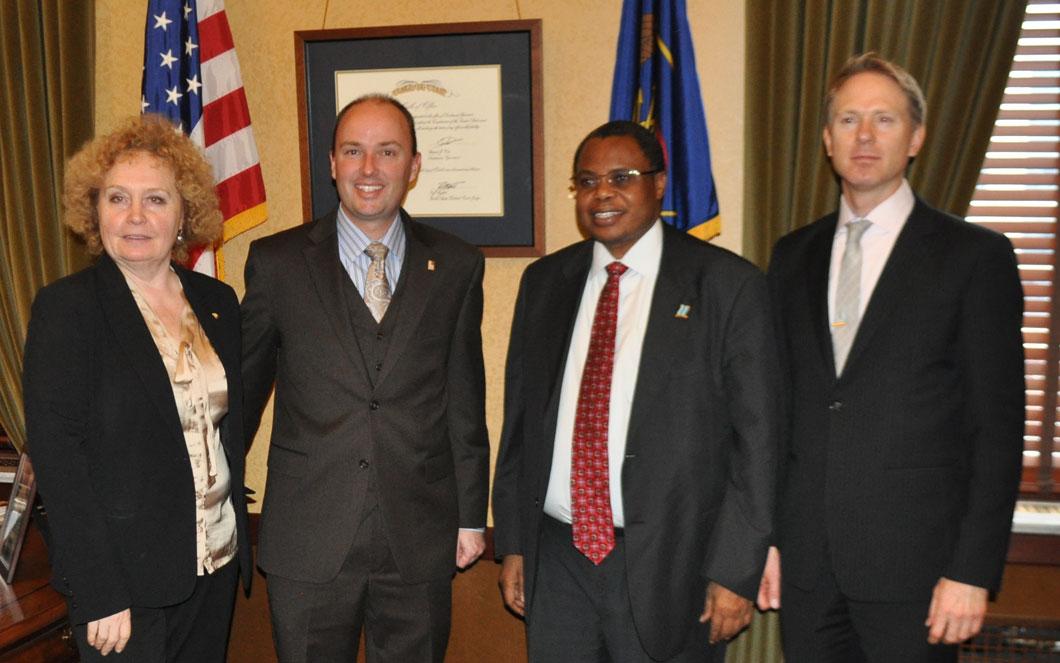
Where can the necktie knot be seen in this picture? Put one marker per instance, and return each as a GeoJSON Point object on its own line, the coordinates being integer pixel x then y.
{"type": "Point", "coordinates": [616, 269]}
{"type": "Point", "coordinates": [377, 251]}
{"type": "Point", "coordinates": [857, 228]}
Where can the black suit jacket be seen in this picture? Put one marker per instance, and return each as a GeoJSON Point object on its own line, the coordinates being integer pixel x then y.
{"type": "Point", "coordinates": [107, 444]}
{"type": "Point", "coordinates": [418, 423]}
{"type": "Point", "coordinates": [906, 467]}
{"type": "Point", "coordinates": [699, 469]}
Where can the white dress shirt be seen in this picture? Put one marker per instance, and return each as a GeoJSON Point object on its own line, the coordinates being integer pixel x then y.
{"type": "Point", "coordinates": [888, 218]}
{"type": "Point", "coordinates": [635, 293]}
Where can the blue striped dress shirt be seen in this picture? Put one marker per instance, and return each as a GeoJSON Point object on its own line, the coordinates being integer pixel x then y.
{"type": "Point", "coordinates": [353, 242]}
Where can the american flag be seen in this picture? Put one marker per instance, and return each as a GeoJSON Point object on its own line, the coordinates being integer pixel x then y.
{"type": "Point", "coordinates": [191, 75]}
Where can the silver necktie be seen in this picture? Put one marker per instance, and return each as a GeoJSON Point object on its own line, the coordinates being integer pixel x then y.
{"type": "Point", "coordinates": [848, 294]}
{"type": "Point", "coordinates": [376, 287]}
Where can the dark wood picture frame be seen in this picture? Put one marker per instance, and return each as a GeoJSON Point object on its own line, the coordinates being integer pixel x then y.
{"type": "Point", "coordinates": [16, 517]}
{"type": "Point", "coordinates": [515, 45]}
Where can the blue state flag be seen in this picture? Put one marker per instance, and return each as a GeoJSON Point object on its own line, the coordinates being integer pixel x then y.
{"type": "Point", "coordinates": [656, 85]}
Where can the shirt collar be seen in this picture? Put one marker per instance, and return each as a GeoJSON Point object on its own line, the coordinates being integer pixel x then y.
{"type": "Point", "coordinates": [643, 257]}
{"type": "Point", "coordinates": [353, 237]}
{"type": "Point", "coordinates": [889, 216]}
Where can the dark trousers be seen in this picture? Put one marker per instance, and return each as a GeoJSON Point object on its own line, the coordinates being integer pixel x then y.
{"type": "Point", "coordinates": [193, 631]}
{"type": "Point", "coordinates": [581, 612]}
{"type": "Point", "coordinates": [321, 622]}
{"type": "Point", "coordinates": [822, 625]}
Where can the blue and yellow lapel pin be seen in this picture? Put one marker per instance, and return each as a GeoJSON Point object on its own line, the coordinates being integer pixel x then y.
{"type": "Point", "coordinates": [682, 312]}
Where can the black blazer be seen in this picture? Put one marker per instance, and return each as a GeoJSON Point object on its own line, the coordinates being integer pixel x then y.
{"type": "Point", "coordinates": [107, 444]}
{"type": "Point", "coordinates": [906, 466]}
{"type": "Point", "coordinates": [416, 423]}
{"type": "Point", "coordinates": [699, 470]}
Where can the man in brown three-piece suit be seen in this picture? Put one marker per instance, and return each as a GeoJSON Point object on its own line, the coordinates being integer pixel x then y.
{"type": "Point", "coordinates": [368, 323]}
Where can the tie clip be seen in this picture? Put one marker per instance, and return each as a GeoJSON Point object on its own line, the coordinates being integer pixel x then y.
{"type": "Point", "coordinates": [430, 265]}
{"type": "Point", "coordinates": [682, 312]}
{"type": "Point", "coordinates": [839, 323]}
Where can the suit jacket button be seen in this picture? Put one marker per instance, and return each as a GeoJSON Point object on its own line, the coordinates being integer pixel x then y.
{"type": "Point", "coordinates": [363, 464]}
{"type": "Point", "coordinates": [374, 405]}
{"type": "Point", "coordinates": [379, 336]}
{"type": "Point", "coordinates": [835, 406]}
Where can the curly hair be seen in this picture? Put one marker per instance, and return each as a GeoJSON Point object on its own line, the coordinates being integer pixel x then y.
{"type": "Point", "coordinates": [158, 137]}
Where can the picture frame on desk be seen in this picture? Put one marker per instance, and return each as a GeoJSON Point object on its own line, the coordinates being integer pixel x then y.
{"type": "Point", "coordinates": [16, 517]}
{"type": "Point", "coordinates": [474, 90]}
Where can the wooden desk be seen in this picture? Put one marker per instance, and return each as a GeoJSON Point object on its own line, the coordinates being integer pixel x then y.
{"type": "Point", "coordinates": [1028, 596]}
{"type": "Point", "coordinates": [33, 627]}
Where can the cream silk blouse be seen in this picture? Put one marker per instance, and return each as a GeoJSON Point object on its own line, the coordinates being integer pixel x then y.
{"type": "Point", "coordinates": [200, 390]}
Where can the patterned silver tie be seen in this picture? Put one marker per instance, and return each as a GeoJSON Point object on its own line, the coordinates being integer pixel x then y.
{"type": "Point", "coordinates": [848, 294]}
{"type": "Point", "coordinates": [376, 287]}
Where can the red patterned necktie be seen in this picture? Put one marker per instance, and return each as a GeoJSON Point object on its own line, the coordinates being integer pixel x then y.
{"type": "Point", "coordinates": [590, 491]}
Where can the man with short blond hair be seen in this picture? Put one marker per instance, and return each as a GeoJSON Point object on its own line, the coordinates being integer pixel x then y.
{"type": "Point", "coordinates": [900, 334]}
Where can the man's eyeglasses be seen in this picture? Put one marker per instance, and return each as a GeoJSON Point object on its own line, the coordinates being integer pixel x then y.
{"type": "Point", "coordinates": [616, 179]}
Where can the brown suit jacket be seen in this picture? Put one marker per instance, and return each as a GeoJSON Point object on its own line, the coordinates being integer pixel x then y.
{"type": "Point", "coordinates": [415, 429]}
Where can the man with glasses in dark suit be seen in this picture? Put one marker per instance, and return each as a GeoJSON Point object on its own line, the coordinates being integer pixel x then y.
{"type": "Point", "coordinates": [633, 496]}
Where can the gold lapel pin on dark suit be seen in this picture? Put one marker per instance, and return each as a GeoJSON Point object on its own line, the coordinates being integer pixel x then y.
{"type": "Point", "coordinates": [216, 316]}
{"type": "Point", "coordinates": [682, 312]}
{"type": "Point", "coordinates": [430, 265]}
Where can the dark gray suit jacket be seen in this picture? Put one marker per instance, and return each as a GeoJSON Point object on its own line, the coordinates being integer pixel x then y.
{"type": "Point", "coordinates": [699, 469]}
{"type": "Point", "coordinates": [418, 423]}
{"type": "Point", "coordinates": [906, 467]}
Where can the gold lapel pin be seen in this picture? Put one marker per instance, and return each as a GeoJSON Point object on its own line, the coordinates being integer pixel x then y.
{"type": "Point", "coordinates": [215, 316]}
{"type": "Point", "coordinates": [682, 312]}
{"type": "Point", "coordinates": [430, 265]}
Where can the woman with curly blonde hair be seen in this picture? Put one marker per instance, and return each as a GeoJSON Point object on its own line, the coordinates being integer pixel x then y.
{"type": "Point", "coordinates": [134, 407]}
{"type": "Point", "coordinates": [154, 135]}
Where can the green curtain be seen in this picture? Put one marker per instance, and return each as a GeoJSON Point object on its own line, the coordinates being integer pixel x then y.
{"type": "Point", "coordinates": [760, 643]}
{"type": "Point", "coordinates": [959, 50]}
{"type": "Point", "coordinates": [46, 93]}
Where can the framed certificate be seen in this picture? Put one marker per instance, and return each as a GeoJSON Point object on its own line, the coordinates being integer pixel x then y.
{"type": "Point", "coordinates": [474, 90]}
